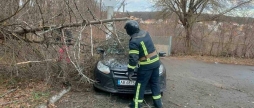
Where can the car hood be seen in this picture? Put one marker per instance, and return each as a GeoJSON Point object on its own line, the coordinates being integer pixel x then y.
{"type": "Point", "coordinates": [116, 62]}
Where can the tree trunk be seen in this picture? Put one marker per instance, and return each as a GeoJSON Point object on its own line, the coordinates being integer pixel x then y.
{"type": "Point", "coordinates": [188, 30]}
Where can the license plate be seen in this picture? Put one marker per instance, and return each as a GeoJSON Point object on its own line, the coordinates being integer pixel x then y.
{"type": "Point", "coordinates": [126, 82]}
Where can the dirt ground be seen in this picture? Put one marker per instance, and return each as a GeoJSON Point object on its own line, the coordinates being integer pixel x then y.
{"type": "Point", "coordinates": [191, 83]}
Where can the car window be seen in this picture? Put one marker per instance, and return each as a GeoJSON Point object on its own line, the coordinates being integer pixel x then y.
{"type": "Point", "coordinates": [116, 45]}
{"type": "Point", "coordinates": [115, 50]}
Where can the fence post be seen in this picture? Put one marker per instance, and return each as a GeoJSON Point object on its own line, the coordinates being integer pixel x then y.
{"type": "Point", "coordinates": [169, 45]}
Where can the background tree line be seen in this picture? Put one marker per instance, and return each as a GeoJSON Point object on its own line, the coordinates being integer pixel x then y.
{"type": "Point", "coordinates": [203, 17]}
{"type": "Point", "coordinates": [224, 36]}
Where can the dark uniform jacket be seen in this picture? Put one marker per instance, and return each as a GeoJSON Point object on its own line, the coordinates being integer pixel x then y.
{"type": "Point", "coordinates": [141, 45]}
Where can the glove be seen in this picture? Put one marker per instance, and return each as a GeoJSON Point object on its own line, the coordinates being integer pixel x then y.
{"type": "Point", "coordinates": [130, 74]}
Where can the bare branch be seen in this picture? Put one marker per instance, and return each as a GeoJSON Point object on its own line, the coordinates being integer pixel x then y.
{"type": "Point", "coordinates": [77, 65]}
{"type": "Point", "coordinates": [78, 10]}
{"type": "Point", "coordinates": [18, 10]}
{"type": "Point", "coordinates": [31, 30]}
{"type": "Point", "coordinates": [70, 9]}
{"type": "Point", "coordinates": [42, 23]}
{"type": "Point", "coordinates": [12, 90]}
{"type": "Point", "coordinates": [91, 28]}
{"type": "Point", "coordinates": [228, 10]}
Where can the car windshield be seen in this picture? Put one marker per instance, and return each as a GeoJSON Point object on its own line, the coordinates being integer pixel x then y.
{"type": "Point", "coordinates": [116, 45]}
{"type": "Point", "coordinates": [115, 50]}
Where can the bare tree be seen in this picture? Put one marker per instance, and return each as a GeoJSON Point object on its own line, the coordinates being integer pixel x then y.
{"type": "Point", "coordinates": [30, 32]}
{"type": "Point", "coordinates": [189, 11]}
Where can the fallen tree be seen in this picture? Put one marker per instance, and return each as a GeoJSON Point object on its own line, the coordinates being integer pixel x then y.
{"type": "Point", "coordinates": [50, 28]}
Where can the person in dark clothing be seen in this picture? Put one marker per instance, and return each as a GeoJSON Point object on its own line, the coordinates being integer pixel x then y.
{"type": "Point", "coordinates": [142, 55]}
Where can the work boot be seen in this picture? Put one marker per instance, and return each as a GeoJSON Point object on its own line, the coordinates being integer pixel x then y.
{"type": "Point", "coordinates": [157, 103]}
{"type": "Point", "coordinates": [132, 105]}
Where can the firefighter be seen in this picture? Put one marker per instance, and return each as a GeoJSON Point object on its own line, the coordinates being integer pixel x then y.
{"type": "Point", "coordinates": [142, 55]}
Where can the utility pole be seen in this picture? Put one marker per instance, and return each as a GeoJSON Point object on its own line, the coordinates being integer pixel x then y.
{"type": "Point", "coordinates": [110, 12]}
{"type": "Point", "coordinates": [124, 4]}
{"type": "Point", "coordinates": [123, 7]}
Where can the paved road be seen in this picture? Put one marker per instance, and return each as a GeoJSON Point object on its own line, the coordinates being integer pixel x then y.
{"type": "Point", "coordinates": [196, 84]}
{"type": "Point", "coordinates": [190, 84]}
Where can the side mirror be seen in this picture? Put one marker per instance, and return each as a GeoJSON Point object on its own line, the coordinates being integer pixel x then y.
{"type": "Point", "coordinates": [162, 54]}
{"type": "Point", "coordinates": [100, 51]}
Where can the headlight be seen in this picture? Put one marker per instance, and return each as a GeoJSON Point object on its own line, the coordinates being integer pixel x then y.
{"type": "Point", "coordinates": [103, 68]}
{"type": "Point", "coordinates": [161, 68]}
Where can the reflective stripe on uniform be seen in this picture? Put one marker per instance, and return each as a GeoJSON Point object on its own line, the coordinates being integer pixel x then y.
{"type": "Point", "coordinates": [157, 97]}
{"type": "Point", "coordinates": [138, 100]}
{"type": "Point", "coordinates": [149, 61]}
{"type": "Point", "coordinates": [132, 67]}
{"type": "Point", "coordinates": [133, 52]}
{"type": "Point", "coordinates": [137, 95]}
{"type": "Point", "coordinates": [144, 48]}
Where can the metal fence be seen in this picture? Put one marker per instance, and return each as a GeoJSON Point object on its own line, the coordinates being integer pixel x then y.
{"type": "Point", "coordinates": [163, 43]}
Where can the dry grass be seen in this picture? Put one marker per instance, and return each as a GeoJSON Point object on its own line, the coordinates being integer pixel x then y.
{"type": "Point", "coordinates": [28, 95]}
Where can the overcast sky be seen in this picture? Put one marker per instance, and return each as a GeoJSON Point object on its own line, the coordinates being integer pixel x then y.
{"type": "Point", "coordinates": [133, 5]}
{"type": "Point", "coordinates": [146, 5]}
{"type": "Point", "coordinates": [138, 5]}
